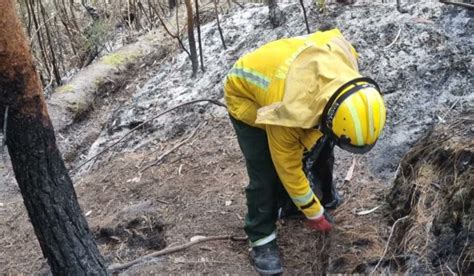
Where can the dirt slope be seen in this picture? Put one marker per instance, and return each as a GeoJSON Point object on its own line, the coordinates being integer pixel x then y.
{"type": "Point", "coordinates": [423, 61]}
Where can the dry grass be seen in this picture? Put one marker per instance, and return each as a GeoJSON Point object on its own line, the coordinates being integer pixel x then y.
{"type": "Point", "coordinates": [434, 189]}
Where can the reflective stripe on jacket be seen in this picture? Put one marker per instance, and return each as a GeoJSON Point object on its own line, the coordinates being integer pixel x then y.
{"type": "Point", "coordinates": [282, 87]}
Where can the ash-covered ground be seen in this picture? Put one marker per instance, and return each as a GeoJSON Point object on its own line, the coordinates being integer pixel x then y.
{"type": "Point", "coordinates": [423, 61]}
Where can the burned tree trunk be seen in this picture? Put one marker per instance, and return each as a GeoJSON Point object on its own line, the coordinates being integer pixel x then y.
{"type": "Point", "coordinates": [275, 15]}
{"type": "Point", "coordinates": [45, 185]}
{"type": "Point", "coordinates": [191, 39]}
{"type": "Point", "coordinates": [198, 24]}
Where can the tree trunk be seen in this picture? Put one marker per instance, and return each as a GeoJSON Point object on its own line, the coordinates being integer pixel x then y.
{"type": "Point", "coordinates": [191, 39]}
{"type": "Point", "coordinates": [198, 24]}
{"type": "Point", "coordinates": [45, 185]}
{"type": "Point", "coordinates": [57, 76]}
{"type": "Point", "coordinates": [37, 31]}
{"type": "Point", "coordinates": [275, 15]}
{"type": "Point", "coordinates": [172, 4]}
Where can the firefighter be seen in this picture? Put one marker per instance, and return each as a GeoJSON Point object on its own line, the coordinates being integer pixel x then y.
{"type": "Point", "coordinates": [290, 102]}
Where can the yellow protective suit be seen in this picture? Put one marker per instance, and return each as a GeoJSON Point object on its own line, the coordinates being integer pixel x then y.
{"type": "Point", "coordinates": [283, 87]}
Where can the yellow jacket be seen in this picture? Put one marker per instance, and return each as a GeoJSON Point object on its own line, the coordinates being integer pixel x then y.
{"type": "Point", "coordinates": [282, 87]}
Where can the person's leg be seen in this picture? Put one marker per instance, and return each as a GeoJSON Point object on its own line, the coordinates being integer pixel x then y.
{"type": "Point", "coordinates": [262, 208]}
{"type": "Point", "coordinates": [263, 180]}
{"type": "Point", "coordinates": [323, 172]}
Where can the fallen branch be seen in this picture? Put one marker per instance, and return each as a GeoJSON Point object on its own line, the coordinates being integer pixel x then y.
{"type": "Point", "coordinates": [142, 124]}
{"type": "Point", "coordinates": [159, 159]}
{"type": "Point", "coordinates": [117, 267]}
{"type": "Point", "coordinates": [388, 242]}
{"type": "Point", "coordinates": [396, 38]}
{"type": "Point", "coordinates": [464, 5]}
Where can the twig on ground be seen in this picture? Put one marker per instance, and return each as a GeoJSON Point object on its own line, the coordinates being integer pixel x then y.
{"type": "Point", "coordinates": [143, 123]}
{"type": "Point", "coordinates": [388, 243]}
{"type": "Point", "coordinates": [159, 159]}
{"type": "Point", "coordinates": [172, 249]}
{"type": "Point", "coordinates": [162, 201]}
{"type": "Point", "coordinates": [395, 40]}
{"type": "Point", "coordinates": [464, 5]}
{"type": "Point", "coordinates": [366, 212]}
{"type": "Point", "coordinates": [450, 270]}
{"type": "Point", "coordinates": [350, 172]}
{"type": "Point", "coordinates": [380, 67]}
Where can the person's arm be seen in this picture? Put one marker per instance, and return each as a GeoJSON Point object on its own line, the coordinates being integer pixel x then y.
{"type": "Point", "coordinates": [287, 154]}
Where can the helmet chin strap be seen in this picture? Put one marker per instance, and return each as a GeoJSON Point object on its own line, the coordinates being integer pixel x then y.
{"type": "Point", "coordinates": [334, 103]}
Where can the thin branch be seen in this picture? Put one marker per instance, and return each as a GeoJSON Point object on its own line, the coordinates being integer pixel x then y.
{"type": "Point", "coordinates": [305, 18]}
{"type": "Point", "coordinates": [147, 121]}
{"type": "Point", "coordinates": [238, 4]}
{"type": "Point", "coordinates": [140, 6]}
{"type": "Point", "coordinates": [395, 40]}
{"type": "Point", "coordinates": [219, 25]}
{"type": "Point", "coordinates": [172, 249]}
{"type": "Point", "coordinates": [380, 67]}
{"type": "Point", "coordinates": [42, 25]}
{"type": "Point", "coordinates": [175, 36]}
{"type": "Point", "coordinates": [388, 243]}
{"type": "Point", "coordinates": [178, 145]}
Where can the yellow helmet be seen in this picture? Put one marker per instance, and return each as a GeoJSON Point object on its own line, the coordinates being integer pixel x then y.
{"type": "Point", "coordinates": [355, 115]}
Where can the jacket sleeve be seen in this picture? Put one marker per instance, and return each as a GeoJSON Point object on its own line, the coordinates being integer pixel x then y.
{"type": "Point", "coordinates": [287, 154]}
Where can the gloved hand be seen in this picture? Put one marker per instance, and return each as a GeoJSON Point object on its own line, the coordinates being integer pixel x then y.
{"type": "Point", "coordinates": [319, 224]}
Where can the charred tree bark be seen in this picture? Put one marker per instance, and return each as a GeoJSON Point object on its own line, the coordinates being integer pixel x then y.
{"type": "Point", "coordinates": [191, 39]}
{"type": "Point", "coordinates": [45, 185]}
{"type": "Point", "coordinates": [275, 15]}
{"type": "Point", "coordinates": [172, 4]}
{"type": "Point", "coordinates": [198, 24]}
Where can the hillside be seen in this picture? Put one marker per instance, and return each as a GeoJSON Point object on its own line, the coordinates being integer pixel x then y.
{"type": "Point", "coordinates": [182, 175]}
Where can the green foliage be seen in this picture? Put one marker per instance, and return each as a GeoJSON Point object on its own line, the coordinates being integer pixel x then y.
{"type": "Point", "coordinates": [97, 34]}
{"type": "Point", "coordinates": [116, 59]}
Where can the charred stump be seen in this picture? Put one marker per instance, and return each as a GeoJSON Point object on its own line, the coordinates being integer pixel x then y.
{"type": "Point", "coordinates": [47, 190]}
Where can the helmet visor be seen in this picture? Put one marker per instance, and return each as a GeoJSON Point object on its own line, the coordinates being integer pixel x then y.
{"type": "Point", "coordinates": [355, 149]}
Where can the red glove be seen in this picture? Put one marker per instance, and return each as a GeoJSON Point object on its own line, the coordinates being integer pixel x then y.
{"type": "Point", "coordinates": [320, 224]}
